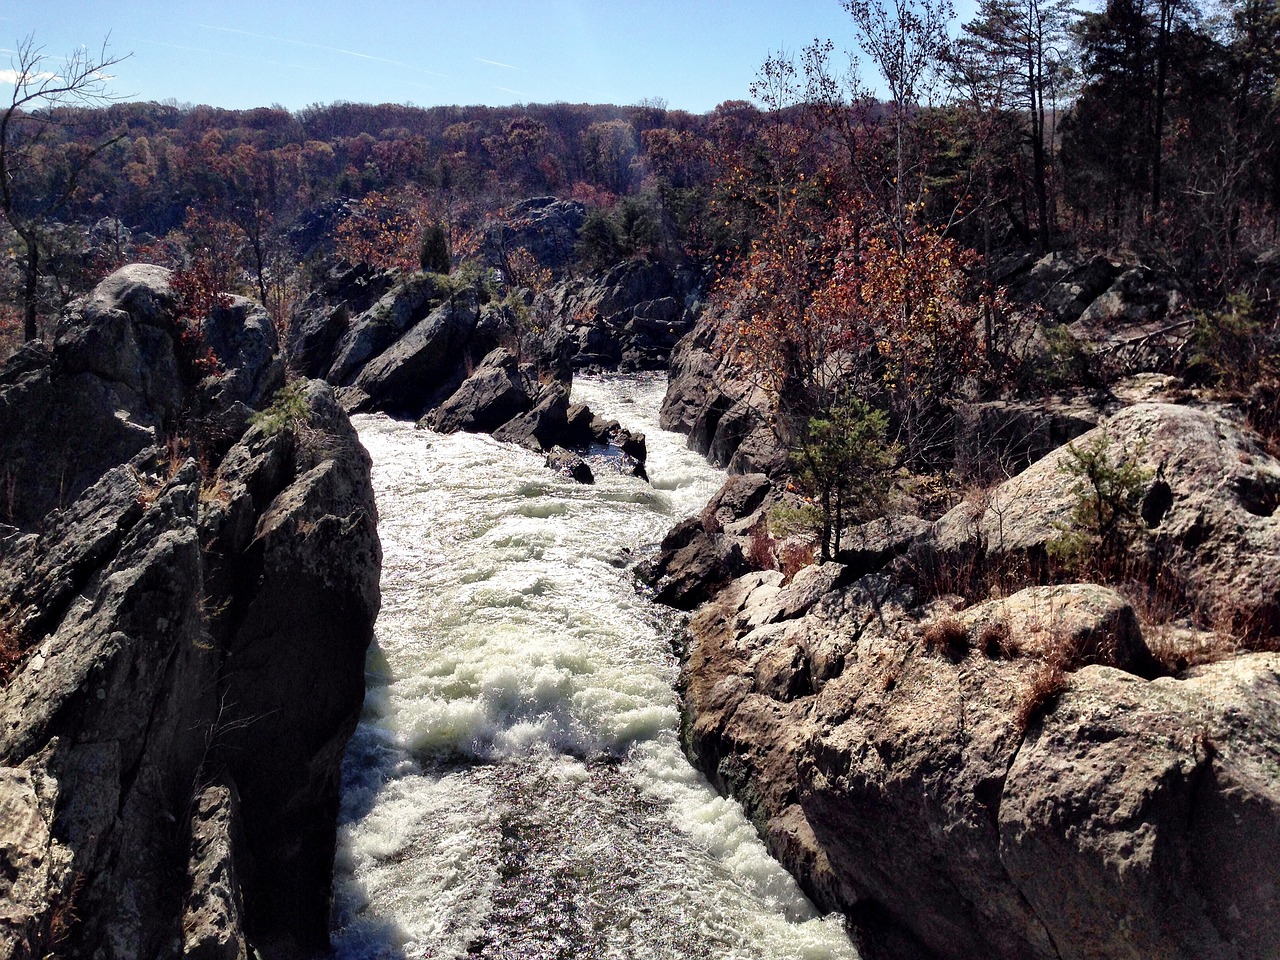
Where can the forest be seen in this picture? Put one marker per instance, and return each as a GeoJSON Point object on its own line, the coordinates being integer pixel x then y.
{"type": "Point", "coordinates": [869, 207]}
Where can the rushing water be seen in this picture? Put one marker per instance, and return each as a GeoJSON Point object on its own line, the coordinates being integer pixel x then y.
{"type": "Point", "coordinates": [516, 787]}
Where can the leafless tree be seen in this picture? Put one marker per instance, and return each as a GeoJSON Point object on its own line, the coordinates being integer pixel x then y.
{"type": "Point", "coordinates": [40, 166]}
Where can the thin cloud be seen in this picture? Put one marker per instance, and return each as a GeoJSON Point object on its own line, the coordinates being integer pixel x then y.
{"type": "Point", "coordinates": [321, 46]}
{"type": "Point", "coordinates": [11, 77]}
{"type": "Point", "coordinates": [234, 56]}
{"type": "Point", "coordinates": [497, 64]}
{"type": "Point", "coordinates": [518, 93]}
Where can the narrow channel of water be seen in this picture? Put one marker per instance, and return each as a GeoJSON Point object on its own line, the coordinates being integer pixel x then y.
{"type": "Point", "coordinates": [516, 787]}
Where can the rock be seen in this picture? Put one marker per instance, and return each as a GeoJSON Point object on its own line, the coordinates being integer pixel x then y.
{"type": "Point", "coordinates": [487, 399]}
{"type": "Point", "coordinates": [213, 915]}
{"type": "Point", "coordinates": [738, 500]}
{"type": "Point", "coordinates": [344, 291]}
{"type": "Point", "coordinates": [243, 338]}
{"type": "Point", "coordinates": [693, 565]}
{"type": "Point", "coordinates": [996, 439]}
{"type": "Point", "coordinates": [176, 631]}
{"type": "Point", "coordinates": [542, 427]}
{"type": "Point", "coordinates": [108, 389]}
{"type": "Point", "coordinates": [569, 464]}
{"type": "Point", "coordinates": [920, 795]}
{"type": "Point", "coordinates": [1073, 624]}
{"type": "Point", "coordinates": [421, 368]}
{"type": "Point", "coordinates": [372, 332]}
{"type": "Point", "coordinates": [1065, 283]}
{"type": "Point", "coordinates": [1210, 512]}
{"type": "Point", "coordinates": [869, 546]}
{"type": "Point", "coordinates": [629, 318]}
{"type": "Point", "coordinates": [544, 226]}
{"type": "Point", "coordinates": [722, 414]}
{"type": "Point", "coordinates": [1140, 820]}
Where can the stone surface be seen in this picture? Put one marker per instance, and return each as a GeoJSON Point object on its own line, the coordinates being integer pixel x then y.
{"type": "Point", "coordinates": [177, 631]}
{"type": "Point", "coordinates": [486, 400]}
{"type": "Point", "coordinates": [913, 791]}
{"type": "Point", "coordinates": [1210, 509]}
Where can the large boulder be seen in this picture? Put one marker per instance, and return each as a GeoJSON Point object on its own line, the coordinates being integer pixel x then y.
{"type": "Point", "coordinates": [381, 325]}
{"type": "Point", "coordinates": [955, 797]}
{"type": "Point", "coordinates": [1209, 511]}
{"type": "Point", "coordinates": [487, 399]}
{"type": "Point", "coordinates": [545, 227]}
{"type": "Point", "coordinates": [177, 630]}
{"type": "Point", "coordinates": [424, 366]}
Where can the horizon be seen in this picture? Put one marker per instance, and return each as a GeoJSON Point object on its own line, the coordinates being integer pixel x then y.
{"type": "Point", "coordinates": [562, 51]}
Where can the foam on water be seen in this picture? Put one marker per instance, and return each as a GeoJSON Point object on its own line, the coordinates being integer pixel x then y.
{"type": "Point", "coordinates": [516, 787]}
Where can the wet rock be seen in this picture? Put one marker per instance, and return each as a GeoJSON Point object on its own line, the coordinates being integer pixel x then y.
{"type": "Point", "coordinates": [542, 427]}
{"type": "Point", "coordinates": [569, 464]}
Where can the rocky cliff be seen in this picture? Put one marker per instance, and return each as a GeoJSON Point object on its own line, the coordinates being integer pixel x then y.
{"type": "Point", "coordinates": [956, 744]}
{"type": "Point", "coordinates": [187, 635]}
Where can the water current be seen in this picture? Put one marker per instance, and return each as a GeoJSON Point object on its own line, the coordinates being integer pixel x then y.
{"type": "Point", "coordinates": [516, 787]}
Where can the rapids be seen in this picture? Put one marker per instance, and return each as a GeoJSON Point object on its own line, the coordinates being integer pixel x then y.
{"type": "Point", "coordinates": [516, 786]}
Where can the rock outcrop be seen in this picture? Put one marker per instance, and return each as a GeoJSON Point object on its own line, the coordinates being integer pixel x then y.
{"type": "Point", "coordinates": [192, 645]}
{"type": "Point", "coordinates": [1210, 517]}
{"type": "Point", "coordinates": [958, 802]}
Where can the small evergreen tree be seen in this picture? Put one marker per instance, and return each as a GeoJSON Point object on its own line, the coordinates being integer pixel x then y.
{"type": "Point", "coordinates": [845, 465]}
{"type": "Point", "coordinates": [434, 257]}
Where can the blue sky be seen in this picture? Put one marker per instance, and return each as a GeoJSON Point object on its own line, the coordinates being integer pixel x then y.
{"type": "Point", "coordinates": [237, 54]}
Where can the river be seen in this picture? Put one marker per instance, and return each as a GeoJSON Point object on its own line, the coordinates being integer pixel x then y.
{"type": "Point", "coordinates": [516, 787]}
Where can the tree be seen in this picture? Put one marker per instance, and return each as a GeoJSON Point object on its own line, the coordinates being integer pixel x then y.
{"type": "Point", "coordinates": [1021, 45]}
{"type": "Point", "coordinates": [845, 464]}
{"type": "Point", "coordinates": [40, 169]}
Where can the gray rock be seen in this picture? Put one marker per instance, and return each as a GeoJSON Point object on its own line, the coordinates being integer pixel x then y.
{"type": "Point", "coordinates": [490, 397]}
{"type": "Point", "coordinates": [542, 427]}
{"type": "Point", "coordinates": [373, 331]}
{"type": "Point", "coordinates": [424, 366]}
{"type": "Point", "coordinates": [213, 914]}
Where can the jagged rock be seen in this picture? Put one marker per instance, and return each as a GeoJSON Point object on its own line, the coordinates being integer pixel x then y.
{"type": "Point", "coordinates": [629, 318]}
{"type": "Point", "coordinates": [1210, 510]}
{"type": "Point", "coordinates": [997, 438]}
{"type": "Point", "coordinates": [379, 327]}
{"type": "Point", "coordinates": [176, 630]}
{"type": "Point", "coordinates": [569, 464]}
{"type": "Point", "coordinates": [869, 546]}
{"type": "Point", "coordinates": [344, 291]}
{"type": "Point", "coordinates": [243, 338]}
{"type": "Point", "coordinates": [424, 366]}
{"type": "Point", "coordinates": [735, 506]}
{"type": "Point", "coordinates": [723, 416]}
{"type": "Point", "coordinates": [487, 399]}
{"type": "Point", "coordinates": [213, 914]}
{"type": "Point", "coordinates": [1064, 283]}
{"type": "Point", "coordinates": [693, 565]}
{"type": "Point", "coordinates": [1141, 819]}
{"type": "Point", "coordinates": [542, 427]}
{"type": "Point", "coordinates": [544, 226]}
{"type": "Point", "coordinates": [921, 795]}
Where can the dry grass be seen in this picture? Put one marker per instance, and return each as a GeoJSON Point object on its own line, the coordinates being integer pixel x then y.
{"type": "Point", "coordinates": [947, 637]}
{"type": "Point", "coordinates": [760, 547]}
{"type": "Point", "coordinates": [11, 650]}
{"type": "Point", "coordinates": [996, 642]}
{"type": "Point", "coordinates": [1047, 682]}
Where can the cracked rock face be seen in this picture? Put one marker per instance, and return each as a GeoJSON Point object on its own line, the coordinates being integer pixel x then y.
{"type": "Point", "coordinates": [193, 650]}
{"type": "Point", "coordinates": [907, 787]}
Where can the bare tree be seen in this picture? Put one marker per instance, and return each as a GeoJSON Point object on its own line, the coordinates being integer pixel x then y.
{"type": "Point", "coordinates": [40, 170]}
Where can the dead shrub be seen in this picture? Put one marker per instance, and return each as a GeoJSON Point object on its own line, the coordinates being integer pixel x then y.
{"type": "Point", "coordinates": [947, 637]}
{"type": "Point", "coordinates": [11, 649]}
{"type": "Point", "coordinates": [760, 547]}
{"type": "Point", "coordinates": [1047, 682]}
{"type": "Point", "coordinates": [995, 640]}
{"type": "Point", "coordinates": [794, 557]}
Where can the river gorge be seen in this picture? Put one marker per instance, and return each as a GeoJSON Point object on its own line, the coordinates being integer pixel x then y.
{"type": "Point", "coordinates": [516, 787]}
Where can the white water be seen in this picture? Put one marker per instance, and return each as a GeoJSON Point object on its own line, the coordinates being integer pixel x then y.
{"type": "Point", "coordinates": [517, 788]}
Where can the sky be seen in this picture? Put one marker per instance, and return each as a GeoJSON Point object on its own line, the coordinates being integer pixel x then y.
{"type": "Point", "coordinates": [236, 54]}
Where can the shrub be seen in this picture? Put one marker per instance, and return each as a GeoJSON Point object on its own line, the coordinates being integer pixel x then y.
{"type": "Point", "coordinates": [434, 256]}
{"type": "Point", "coordinates": [1047, 681]}
{"type": "Point", "coordinates": [760, 547]}
{"type": "Point", "coordinates": [996, 642]}
{"type": "Point", "coordinates": [1106, 515]}
{"type": "Point", "coordinates": [288, 410]}
{"type": "Point", "coordinates": [794, 557]}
